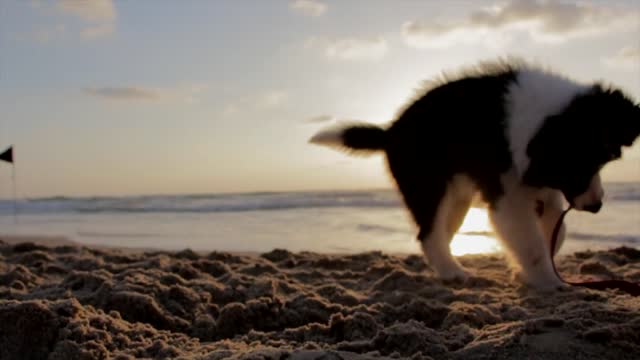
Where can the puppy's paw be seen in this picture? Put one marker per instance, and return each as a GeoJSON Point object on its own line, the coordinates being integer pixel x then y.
{"type": "Point", "coordinates": [540, 283]}
{"type": "Point", "coordinates": [550, 287]}
{"type": "Point", "coordinates": [458, 275]}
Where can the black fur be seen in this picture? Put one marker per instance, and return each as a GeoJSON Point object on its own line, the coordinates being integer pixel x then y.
{"type": "Point", "coordinates": [575, 144]}
{"type": "Point", "coordinates": [444, 133]}
{"type": "Point", "coordinates": [365, 137]}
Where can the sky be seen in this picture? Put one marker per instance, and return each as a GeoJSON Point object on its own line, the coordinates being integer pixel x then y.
{"type": "Point", "coordinates": [154, 97]}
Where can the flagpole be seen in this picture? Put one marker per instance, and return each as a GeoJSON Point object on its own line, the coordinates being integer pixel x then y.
{"type": "Point", "coordinates": [15, 193]}
{"type": "Point", "coordinates": [7, 156]}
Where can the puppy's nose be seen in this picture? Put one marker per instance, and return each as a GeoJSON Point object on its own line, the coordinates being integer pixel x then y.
{"type": "Point", "coordinates": [594, 208]}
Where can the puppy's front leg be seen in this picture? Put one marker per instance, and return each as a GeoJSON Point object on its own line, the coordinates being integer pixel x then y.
{"type": "Point", "coordinates": [549, 207]}
{"type": "Point", "coordinates": [515, 221]}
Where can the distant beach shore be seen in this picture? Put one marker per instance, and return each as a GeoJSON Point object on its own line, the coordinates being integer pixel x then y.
{"type": "Point", "coordinates": [336, 222]}
{"type": "Point", "coordinates": [60, 300]}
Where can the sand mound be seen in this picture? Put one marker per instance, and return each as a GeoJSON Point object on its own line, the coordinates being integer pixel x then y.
{"type": "Point", "coordinates": [71, 302]}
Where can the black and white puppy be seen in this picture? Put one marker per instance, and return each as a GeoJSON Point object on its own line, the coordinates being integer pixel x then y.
{"type": "Point", "coordinates": [519, 135]}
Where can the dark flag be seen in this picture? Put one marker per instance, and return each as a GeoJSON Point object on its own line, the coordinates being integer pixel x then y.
{"type": "Point", "coordinates": [7, 155]}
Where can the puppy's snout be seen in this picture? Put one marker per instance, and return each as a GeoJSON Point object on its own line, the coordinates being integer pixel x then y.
{"type": "Point", "coordinates": [590, 200]}
{"type": "Point", "coordinates": [593, 208]}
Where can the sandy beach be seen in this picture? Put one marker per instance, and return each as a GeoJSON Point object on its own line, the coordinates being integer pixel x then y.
{"type": "Point", "coordinates": [65, 301]}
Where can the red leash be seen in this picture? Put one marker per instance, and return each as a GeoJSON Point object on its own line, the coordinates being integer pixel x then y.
{"type": "Point", "coordinates": [626, 286]}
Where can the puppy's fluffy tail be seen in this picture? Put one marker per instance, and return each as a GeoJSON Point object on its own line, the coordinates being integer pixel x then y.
{"type": "Point", "coordinates": [358, 138]}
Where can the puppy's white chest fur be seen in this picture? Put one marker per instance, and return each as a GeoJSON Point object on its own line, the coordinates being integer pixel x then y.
{"type": "Point", "coordinates": [534, 96]}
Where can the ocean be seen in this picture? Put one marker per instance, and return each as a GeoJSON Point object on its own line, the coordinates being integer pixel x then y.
{"type": "Point", "coordinates": [327, 221]}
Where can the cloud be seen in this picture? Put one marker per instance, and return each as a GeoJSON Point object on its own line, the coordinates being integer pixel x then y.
{"type": "Point", "coordinates": [123, 93]}
{"type": "Point", "coordinates": [230, 109]}
{"type": "Point", "coordinates": [628, 57]}
{"type": "Point", "coordinates": [96, 31]}
{"type": "Point", "coordinates": [93, 11]}
{"type": "Point", "coordinates": [542, 20]}
{"type": "Point", "coordinates": [273, 99]}
{"type": "Point", "coordinates": [44, 34]}
{"type": "Point", "coordinates": [320, 119]}
{"type": "Point", "coordinates": [336, 121]}
{"type": "Point", "coordinates": [350, 48]}
{"type": "Point", "coordinates": [97, 17]}
{"type": "Point", "coordinates": [186, 94]}
{"type": "Point", "coordinates": [313, 8]}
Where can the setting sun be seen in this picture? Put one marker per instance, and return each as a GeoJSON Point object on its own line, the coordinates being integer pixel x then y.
{"type": "Point", "coordinates": [475, 235]}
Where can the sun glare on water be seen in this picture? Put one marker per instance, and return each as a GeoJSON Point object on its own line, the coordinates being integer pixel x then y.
{"type": "Point", "coordinates": [475, 235]}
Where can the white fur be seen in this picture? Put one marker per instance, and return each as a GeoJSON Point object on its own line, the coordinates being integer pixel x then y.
{"type": "Point", "coordinates": [554, 205]}
{"type": "Point", "coordinates": [515, 221]}
{"type": "Point", "coordinates": [535, 95]}
{"type": "Point", "coordinates": [593, 195]}
{"type": "Point", "coordinates": [329, 137]}
{"type": "Point", "coordinates": [526, 236]}
{"type": "Point", "coordinates": [523, 233]}
{"type": "Point", "coordinates": [451, 212]}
